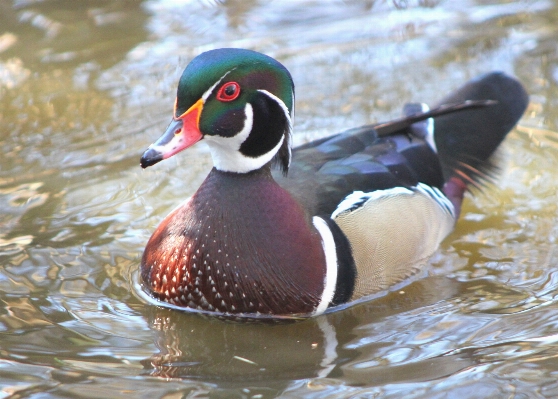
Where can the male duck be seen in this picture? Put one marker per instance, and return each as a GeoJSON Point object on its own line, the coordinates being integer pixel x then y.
{"type": "Point", "coordinates": [357, 212]}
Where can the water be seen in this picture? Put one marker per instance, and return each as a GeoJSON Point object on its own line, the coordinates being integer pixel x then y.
{"type": "Point", "coordinates": [86, 87]}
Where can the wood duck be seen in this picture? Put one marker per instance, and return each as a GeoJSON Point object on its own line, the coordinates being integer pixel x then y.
{"type": "Point", "coordinates": [350, 216]}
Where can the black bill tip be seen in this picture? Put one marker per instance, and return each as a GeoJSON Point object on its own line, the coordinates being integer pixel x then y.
{"type": "Point", "coordinates": [150, 157]}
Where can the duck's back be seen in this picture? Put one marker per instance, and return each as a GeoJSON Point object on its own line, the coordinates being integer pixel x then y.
{"type": "Point", "coordinates": [324, 172]}
{"type": "Point", "coordinates": [380, 192]}
{"type": "Point", "coordinates": [397, 197]}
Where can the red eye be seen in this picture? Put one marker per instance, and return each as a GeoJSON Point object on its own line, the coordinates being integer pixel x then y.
{"type": "Point", "coordinates": [228, 92]}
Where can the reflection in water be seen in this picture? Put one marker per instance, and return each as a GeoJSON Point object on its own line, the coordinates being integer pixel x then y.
{"type": "Point", "coordinates": [191, 346]}
{"type": "Point", "coordinates": [85, 86]}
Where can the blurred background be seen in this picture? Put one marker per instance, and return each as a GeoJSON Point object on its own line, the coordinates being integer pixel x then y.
{"type": "Point", "coordinates": [86, 86]}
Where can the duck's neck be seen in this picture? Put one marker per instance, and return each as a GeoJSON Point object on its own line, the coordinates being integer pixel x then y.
{"type": "Point", "coordinates": [240, 244]}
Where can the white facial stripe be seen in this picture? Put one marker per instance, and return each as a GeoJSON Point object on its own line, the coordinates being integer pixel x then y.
{"type": "Point", "coordinates": [210, 90]}
{"type": "Point", "coordinates": [226, 154]}
{"type": "Point", "coordinates": [285, 110]}
{"type": "Point", "coordinates": [330, 280]}
{"type": "Point", "coordinates": [280, 102]}
{"type": "Point", "coordinates": [223, 149]}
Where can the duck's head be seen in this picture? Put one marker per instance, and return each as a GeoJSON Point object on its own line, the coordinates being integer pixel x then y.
{"type": "Point", "coordinates": [241, 102]}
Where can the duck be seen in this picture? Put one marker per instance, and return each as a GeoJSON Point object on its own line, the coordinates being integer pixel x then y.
{"type": "Point", "coordinates": [275, 231]}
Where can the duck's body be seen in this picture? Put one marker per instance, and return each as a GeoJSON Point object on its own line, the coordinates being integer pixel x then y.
{"type": "Point", "coordinates": [356, 213]}
{"type": "Point", "coordinates": [219, 249]}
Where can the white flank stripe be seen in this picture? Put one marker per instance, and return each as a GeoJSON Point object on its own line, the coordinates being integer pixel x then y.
{"type": "Point", "coordinates": [360, 197]}
{"type": "Point", "coordinates": [437, 196]}
{"type": "Point", "coordinates": [330, 280]}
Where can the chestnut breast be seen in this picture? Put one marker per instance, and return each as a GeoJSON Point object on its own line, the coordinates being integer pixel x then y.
{"type": "Point", "coordinates": [240, 244]}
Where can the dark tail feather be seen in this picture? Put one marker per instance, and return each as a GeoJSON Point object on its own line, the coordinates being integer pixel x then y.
{"type": "Point", "coordinates": [413, 114]}
{"type": "Point", "coordinates": [466, 140]}
{"type": "Point", "coordinates": [469, 126]}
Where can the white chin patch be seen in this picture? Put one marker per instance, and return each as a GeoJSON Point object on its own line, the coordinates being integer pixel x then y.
{"type": "Point", "coordinates": [226, 154]}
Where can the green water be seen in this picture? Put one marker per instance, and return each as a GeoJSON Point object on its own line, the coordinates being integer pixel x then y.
{"type": "Point", "coordinates": [86, 86]}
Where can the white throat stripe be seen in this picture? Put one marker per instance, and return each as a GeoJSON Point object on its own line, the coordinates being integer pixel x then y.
{"type": "Point", "coordinates": [226, 154]}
